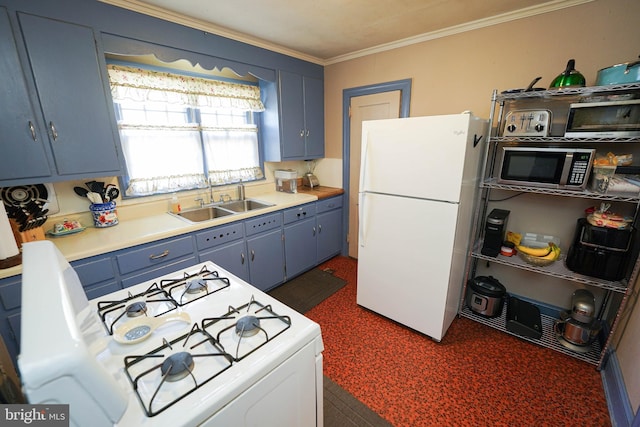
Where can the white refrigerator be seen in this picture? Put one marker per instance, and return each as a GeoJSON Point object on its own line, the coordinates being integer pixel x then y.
{"type": "Point", "coordinates": [417, 197]}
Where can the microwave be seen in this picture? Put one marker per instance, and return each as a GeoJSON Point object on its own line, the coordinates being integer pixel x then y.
{"type": "Point", "coordinates": [559, 168]}
{"type": "Point", "coordinates": [607, 119]}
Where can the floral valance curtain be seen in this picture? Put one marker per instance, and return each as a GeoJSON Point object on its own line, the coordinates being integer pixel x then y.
{"type": "Point", "coordinates": [144, 85]}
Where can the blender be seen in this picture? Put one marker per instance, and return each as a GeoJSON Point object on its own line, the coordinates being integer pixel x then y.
{"type": "Point", "coordinates": [309, 179]}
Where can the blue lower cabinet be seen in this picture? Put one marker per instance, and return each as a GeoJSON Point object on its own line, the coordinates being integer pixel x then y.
{"type": "Point", "coordinates": [266, 259]}
{"type": "Point", "coordinates": [232, 257]}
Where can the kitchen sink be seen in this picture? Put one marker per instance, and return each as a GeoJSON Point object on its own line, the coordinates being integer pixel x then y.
{"type": "Point", "coordinates": [203, 214]}
{"type": "Point", "coordinates": [244, 205]}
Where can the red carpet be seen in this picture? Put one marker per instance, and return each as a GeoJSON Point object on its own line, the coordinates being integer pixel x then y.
{"type": "Point", "coordinates": [476, 376]}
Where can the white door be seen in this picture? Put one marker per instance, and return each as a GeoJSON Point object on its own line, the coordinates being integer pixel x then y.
{"type": "Point", "coordinates": [384, 105]}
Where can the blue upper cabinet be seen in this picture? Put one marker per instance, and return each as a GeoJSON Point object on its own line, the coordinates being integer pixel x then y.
{"type": "Point", "coordinates": [67, 130]}
{"type": "Point", "coordinates": [57, 121]}
{"type": "Point", "coordinates": [301, 119]}
{"type": "Point", "coordinates": [76, 108]}
{"type": "Point", "coordinates": [21, 138]}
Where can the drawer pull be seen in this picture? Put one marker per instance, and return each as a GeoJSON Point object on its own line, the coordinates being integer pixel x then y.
{"type": "Point", "coordinates": [242, 258]}
{"type": "Point", "coordinates": [162, 255]}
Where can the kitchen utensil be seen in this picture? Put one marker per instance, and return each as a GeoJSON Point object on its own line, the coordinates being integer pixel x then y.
{"type": "Point", "coordinates": [96, 187]}
{"type": "Point", "coordinates": [485, 296]}
{"type": "Point", "coordinates": [570, 77]}
{"type": "Point", "coordinates": [95, 198]}
{"type": "Point", "coordinates": [628, 72]}
{"type": "Point", "coordinates": [82, 192]}
{"type": "Point", "coordinates": [139, 329]}
{"type": "Point", "coordinates": [527, 89]}
{"type": "Point", "coordinates": [111, 193]}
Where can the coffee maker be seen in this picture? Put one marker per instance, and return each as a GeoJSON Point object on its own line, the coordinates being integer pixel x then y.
{"type": "Point", "coordinates": [494, 232]}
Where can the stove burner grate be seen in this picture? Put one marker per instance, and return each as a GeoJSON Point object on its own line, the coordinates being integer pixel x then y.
{"type": "Point", "coordinates": [113, 312]}
{"type": "Point", "coordinates": [176, 369]}
{"type": "Point", "coordinates": [245, 323]}
{"type": "Point", "coordinates": [185, 288]}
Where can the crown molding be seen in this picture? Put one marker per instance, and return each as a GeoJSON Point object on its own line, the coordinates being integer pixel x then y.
{"type": "Point", "coordinates": [167, 15]}
{"type": "Point", "coordinates": [457, 29]}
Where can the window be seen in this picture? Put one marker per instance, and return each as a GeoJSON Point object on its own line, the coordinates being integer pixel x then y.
{"type": "Point", "coordinates": [181, 132]}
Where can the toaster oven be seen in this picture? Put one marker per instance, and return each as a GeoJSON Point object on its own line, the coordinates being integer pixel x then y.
{"type": "Point", "coordinates": [608, 119]}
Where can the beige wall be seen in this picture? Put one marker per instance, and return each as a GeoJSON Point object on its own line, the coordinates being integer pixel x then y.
{"type": "Point", "coordinates": [459, 72]}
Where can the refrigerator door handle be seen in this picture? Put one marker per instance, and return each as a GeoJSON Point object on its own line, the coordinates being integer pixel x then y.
{"type": "Point", "coordinates": [363, 164]}
{"type": "Point", "coordinates": [363, 220]}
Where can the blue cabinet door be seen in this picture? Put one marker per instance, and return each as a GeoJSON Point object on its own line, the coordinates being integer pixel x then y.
{"type": "Point", "coordinates": [77, 110]}
{"type": "Point", "coordinates": [292, 116]}
{"type": "Point", "coordinates": [329, 234]}
{"type": "Point", "coordinates": [301, 117]}
{"type": "Point", "coordinates": [266, 259]}
{"type": "Point", "coordinates": [314, 117]}
{"type": "Point", "coordinates": [22, 140]}
{"type": "Point", "coordinates": [231, 257]}
{"type": "Point", "coordinates": [300, 246]}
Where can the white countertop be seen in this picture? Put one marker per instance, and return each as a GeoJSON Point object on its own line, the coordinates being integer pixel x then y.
{"type": "Point", "coordinates": [155, 226]}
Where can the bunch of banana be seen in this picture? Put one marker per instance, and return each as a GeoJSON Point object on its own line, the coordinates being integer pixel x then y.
{"type": "Point", "coordinates": [551, 252]}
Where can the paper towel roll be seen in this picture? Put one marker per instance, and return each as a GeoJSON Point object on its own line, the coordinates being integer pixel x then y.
{"type": "Point", "coordinates": [8, 245]}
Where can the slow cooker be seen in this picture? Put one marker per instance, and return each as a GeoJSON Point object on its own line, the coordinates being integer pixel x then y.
{"type": "Point", "coordinates": [485, 296]}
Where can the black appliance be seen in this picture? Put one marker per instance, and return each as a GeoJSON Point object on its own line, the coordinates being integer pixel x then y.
{"type": "Point", "coordinates": [494, 232]}
{"type": "Point", "coordinates": [523, 318]}
{"type": "Point", "coordinates": [485, 296]}
{"type": "Point", "coordinates": [600, 252]}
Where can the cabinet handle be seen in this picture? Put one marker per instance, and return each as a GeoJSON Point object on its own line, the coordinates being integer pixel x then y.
{"type": "Point", "coordinates": [54, 132]}
{"type": "Point", "coordinates": [307, 132]}
{"type": "Point", "coordinates": [242, 258]}
{"type": "Point", "coordinates": [253, 255]}
{"type": "Point", "coordinates": [162, 255]}
{"type": "Point", "coordinates": [314, 231]}
{"type": "Point", "coordinates": [32, 128]}
{"type": "Point", "coordinates": [301, 133]}
{"type": "Point", "coordinates": [319, 228]}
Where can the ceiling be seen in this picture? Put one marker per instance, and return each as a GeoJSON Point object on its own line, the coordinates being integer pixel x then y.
{"type": "Point", "coordinates": [327, 31]}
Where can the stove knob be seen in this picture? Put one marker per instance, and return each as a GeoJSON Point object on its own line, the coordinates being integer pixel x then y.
{"type": "Point", "coordinates": [511, 128]}
{"type": "Point", "coordinates": [539, 127]}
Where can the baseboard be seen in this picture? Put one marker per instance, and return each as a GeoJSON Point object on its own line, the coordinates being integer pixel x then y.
{"type": "Point", "coordinates": [615, 392]}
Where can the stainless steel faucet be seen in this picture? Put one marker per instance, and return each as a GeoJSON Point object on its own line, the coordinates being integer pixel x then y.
{"type": "Point", "coordinates": [201, 200]}
{"type": "Point", "coordinates": [241, 191]}
{"type": "Point", "coordinates": [223, 196]}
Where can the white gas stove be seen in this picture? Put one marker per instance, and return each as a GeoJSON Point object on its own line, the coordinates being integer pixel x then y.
{"type": "Point", "coordinates": [195, 347]}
